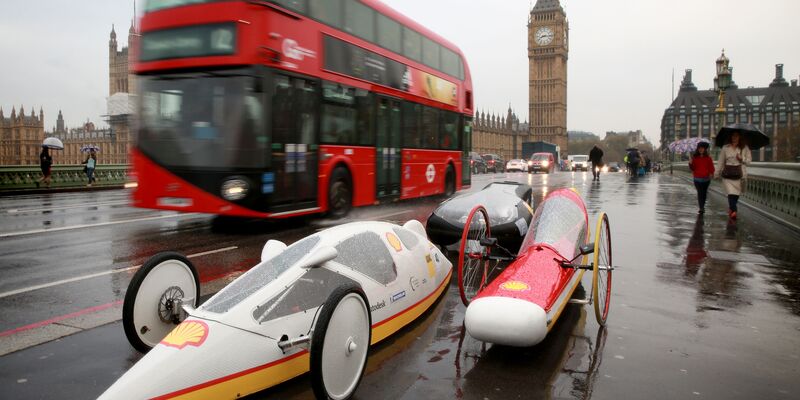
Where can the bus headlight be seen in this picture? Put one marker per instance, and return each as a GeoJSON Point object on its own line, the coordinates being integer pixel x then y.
{"type": "Point", "coordinates": [235, 188]}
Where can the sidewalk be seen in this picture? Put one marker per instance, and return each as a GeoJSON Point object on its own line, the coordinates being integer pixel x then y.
{"type": "Point", "coordinates": [67, 189]}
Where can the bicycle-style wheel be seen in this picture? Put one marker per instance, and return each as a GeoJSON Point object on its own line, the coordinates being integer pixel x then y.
{"type": "Point", "coordinates": [602, 268]}
{"type": "Point", "coordinates": [473, 258]}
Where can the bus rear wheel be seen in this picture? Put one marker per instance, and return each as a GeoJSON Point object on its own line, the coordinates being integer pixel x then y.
{"type": "Point", "coordinates": [340, 194]}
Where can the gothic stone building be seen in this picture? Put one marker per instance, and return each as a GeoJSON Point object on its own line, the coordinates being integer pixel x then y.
{"type": "Point", "coordinates": [499, 135]}
{"type": "Point", "coordinates": [548, 34]}
{"type": "Point", "coordinates": [21, 137]}
{"type": "Point", "coordinates": [774, 109]}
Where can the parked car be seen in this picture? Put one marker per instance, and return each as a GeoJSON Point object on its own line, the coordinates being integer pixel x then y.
{"type": "Point", "coordinates": [494, 162]}
{"type": "Point", "coordinates": [517, 164]}
{"type": "Point", "coordinates": [580, 162]}
{"type": "Point", "coordinates": [542, 162]}
{"type": "Point", "coordinates": [477, 163]}
{"type": "Point", "coordinates": [614, 167]}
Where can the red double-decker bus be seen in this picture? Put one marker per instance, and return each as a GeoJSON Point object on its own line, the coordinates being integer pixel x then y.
{"type": "Point", "coordinates": [283, 108]}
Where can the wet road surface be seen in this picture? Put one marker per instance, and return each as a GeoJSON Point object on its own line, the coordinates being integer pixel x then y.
{"type": "Point", "coordinates": [701, 308]}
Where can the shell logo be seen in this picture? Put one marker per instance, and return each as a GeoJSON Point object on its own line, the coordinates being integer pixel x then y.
{"type": "Point", "coordinates": [394, 241]}
{"type": "Point", "coordinates": [188, 333]}
{"type": "Point", "coordinates": [431, 266]}
{"type": "Point", "coordinates": [515, 286]}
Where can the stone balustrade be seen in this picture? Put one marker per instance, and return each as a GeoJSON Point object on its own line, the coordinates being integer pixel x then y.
{"type": "Point", "coordinates": [773, 187]}
{"type": "Point", "coordinates": [63, 176]}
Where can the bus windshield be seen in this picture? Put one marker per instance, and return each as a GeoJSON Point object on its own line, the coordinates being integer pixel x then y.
{"type": "Point", "coordinates": [206, 120]}
{"type": "Point", "coordinates": [153, 5]}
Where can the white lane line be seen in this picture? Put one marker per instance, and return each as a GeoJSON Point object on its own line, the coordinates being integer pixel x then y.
{"type": "Point", "coordinates": [87, 205]}
{"type": "Point", "coordinates": [95, 275]}
{"type": "Point", "coordinates": [67, 228]}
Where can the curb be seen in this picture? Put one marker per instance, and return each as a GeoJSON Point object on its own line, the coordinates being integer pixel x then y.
{"type": "Point", "coordinates": [776, 218]}
{"type": "Point", "coordinates": [18, 192]}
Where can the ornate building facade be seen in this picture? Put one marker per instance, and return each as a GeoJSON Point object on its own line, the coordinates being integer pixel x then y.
{"type": "Point", "coordinates": [499, 135]}
{"type": "Point", "coordinates": [21, 137]}
{"type": "Point", "coordinates": [548, 48]}
{"type": "Point", "coordinates": [774, 109]}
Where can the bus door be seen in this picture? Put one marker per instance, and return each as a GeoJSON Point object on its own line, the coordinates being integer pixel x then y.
{"type": "Point", "coordinates": [387, 147]}
{"type": "Point", "coordinates": [294, 146]}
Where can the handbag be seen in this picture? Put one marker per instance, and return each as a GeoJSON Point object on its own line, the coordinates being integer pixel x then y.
{"type": "Point", "coordinates": [732, 172]}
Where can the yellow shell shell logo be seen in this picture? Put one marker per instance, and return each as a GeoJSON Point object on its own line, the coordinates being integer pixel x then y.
{"type": "Point", "coordinates": [394, 241]}
{"type": "Point", "coordinates": [431, 266]}
{"type": "Point", "coordinates": [188, 333]}
{"type": "Point", "coordinates": [515, 286]}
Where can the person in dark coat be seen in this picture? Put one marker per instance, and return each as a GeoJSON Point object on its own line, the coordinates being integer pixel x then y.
{"type": "Point", "coordinates": [45, 163]}
{"type": "Point", "coordinates": [596, 157]}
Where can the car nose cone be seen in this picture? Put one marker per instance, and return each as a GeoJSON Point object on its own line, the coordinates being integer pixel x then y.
{"type": "Point", "coordinates": [505, 320]}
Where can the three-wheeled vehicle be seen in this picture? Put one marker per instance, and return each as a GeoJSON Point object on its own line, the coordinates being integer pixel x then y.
{"type": "Point", "coordinates": [519, 305]}
{"type": "Point", "coordinates": [315, 305]}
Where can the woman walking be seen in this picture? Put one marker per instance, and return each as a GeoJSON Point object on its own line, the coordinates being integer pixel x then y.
{"type": "Point", "coordinates": [91, 162]}
{"type": "Point", "coordinates": [732, 167]}
{"type": "Point", "coordinates": [702, 167]}
{"type": "Point", "coordinates": [45, 163]}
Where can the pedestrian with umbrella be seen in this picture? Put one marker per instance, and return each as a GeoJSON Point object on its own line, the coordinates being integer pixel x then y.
{"type": "Point", "coordinates": [596, 157]}
{"type": "Point", "coordinates": [46, 160]}
{"type": "Point", "coordinates": [91, 162]}
{"type": "Point", "coordinates": [702, 167]}
{"type": "Point", "coordinates": [736, 141]}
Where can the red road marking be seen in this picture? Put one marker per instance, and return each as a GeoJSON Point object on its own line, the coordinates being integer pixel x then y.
{"type": "Point", "coordinates": [60, 318]}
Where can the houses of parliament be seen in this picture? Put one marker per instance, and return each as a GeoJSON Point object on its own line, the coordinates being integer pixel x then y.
{"type": "Point", "coordinates": [22, 132]}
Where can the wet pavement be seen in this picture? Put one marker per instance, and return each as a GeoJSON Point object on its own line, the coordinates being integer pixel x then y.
{"type": "Point", "coordinates": [701, 307]}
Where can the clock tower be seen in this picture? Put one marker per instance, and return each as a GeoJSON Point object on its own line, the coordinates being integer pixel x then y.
{"type": "Point", "coordinates": [548, 46]}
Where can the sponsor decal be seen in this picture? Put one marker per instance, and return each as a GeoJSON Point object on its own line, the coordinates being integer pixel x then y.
{"type": "Point", "coordinates": [394, 241]}
{"type": "Point", "coordinates": [431, 266]}
{"type": "Point", "coordinates": [414, 283]}
{"type": "Point", "coordinates": [430, 173]}
{"type": "Point", "coordinates": [292, 50]}
{"type": "Point", "coordinates": [398, 296]}
{"type": "Point", "coordinates": [424, 280]}
{"type": "Point", "coordinates": [377, 306]}
{"type": "Point", "coordinates": [188, 333]}
{"type": "Point", "coordinates": [515, 286]}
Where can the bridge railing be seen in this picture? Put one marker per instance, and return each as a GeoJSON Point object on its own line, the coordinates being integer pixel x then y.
{"type": "Point", "coordinates": [772, 187]}
{"type": "Point", "coordinates": [62, 176]}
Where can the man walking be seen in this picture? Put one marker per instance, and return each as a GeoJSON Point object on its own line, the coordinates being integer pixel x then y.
{"type": "Point", "coordinates": [596, 157]}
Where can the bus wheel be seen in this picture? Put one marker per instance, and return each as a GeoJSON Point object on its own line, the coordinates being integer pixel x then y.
{"type": "Point", "coordinates": [449, 182]}
{"type": "Point", "coordinates": [340, 194]}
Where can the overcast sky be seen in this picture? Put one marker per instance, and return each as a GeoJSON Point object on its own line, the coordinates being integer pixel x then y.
{"type": "Point", "coordinates": [622, 52]}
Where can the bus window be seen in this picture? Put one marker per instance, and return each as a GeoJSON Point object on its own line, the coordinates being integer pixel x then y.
{"type": "Point", "coordinates": [327, 11]}
{"type": "Point", "coordinates": [412, 44]}
{"type": "Point", "coordinates": [359, 20]}
{"type": "Point", "coordinates": [338, 114]}
{"type": "Point", "coordinates": [389, 32]}
{"type": "Point", "coordinates": [366, 122]}
{"type": "Point", "coordinates": [430, 127]}
{"type": "Point", "coordinates": [449, 131]}
{"type": "Point", "coordinates": [411, 125]}
{"type": "Point", "coordinates": [450, 63]}
{"type": "Point", "coordinates": [430, 53]}
{"type": "Point", "coordinates": [296, 5]}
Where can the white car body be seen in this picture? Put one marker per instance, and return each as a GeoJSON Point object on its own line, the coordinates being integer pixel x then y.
{"type": "Point", "coordinates": [517, 165]}
{"type": "Point", "coordinates": [580, 162]}
{"type": "Point", "coordinates": [228, 346]}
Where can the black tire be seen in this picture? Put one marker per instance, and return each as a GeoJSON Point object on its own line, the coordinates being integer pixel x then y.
{"type": "Point", "coordinates": [449, 181]}
{"type": "Point", "coordinates": [129, 303]}
{"type": "Point", "coordinates": [318, 339]}
{"type": "Point", "coordinates": [340, 193]}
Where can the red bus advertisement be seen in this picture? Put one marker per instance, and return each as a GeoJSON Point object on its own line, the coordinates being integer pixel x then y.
{"type": "Point", "coordinates": [280, 108]}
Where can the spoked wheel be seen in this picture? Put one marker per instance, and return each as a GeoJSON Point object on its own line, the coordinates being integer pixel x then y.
{"type": "Point", "coordinates": [601, 273]}
{"type": "Point", "coordinates": [473, 258]}
{"type": "Point", "coordinates": [158, 290]}
{"type": "Point", "coordinates": [339, 343]}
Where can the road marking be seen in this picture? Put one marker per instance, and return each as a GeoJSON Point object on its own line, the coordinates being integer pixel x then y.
{"type": "Point", "coordinates": [95, 275]}
{"type": "Point", "coordinates": [108, 203]}
{"type": "Point", "coordinates": [67, 228]}
{"type": "Point", "coordinates": [60, 318]}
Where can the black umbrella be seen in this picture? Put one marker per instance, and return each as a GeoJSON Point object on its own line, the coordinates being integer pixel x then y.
{"type": "Point", "coordinates": [632, 149]}
{"type": "Point", "coordinates": [752, 137]}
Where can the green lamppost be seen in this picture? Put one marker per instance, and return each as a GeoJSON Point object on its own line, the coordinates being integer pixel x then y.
{"type": "Point", "coordinates": [721, 83]}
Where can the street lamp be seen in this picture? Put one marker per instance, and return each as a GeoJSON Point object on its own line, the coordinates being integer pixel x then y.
{"type": "Point", "coordinates": [721, 83]}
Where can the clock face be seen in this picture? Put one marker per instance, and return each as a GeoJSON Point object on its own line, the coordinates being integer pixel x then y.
{"type": "Point", "coordinates": [543, 36]}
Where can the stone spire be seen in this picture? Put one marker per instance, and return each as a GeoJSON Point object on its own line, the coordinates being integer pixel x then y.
{"type": "Point", "coordinates": [547, 5]}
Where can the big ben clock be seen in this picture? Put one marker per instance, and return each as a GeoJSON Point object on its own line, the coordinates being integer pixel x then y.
{"type": "Point", "coordinates": [543, 36]}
